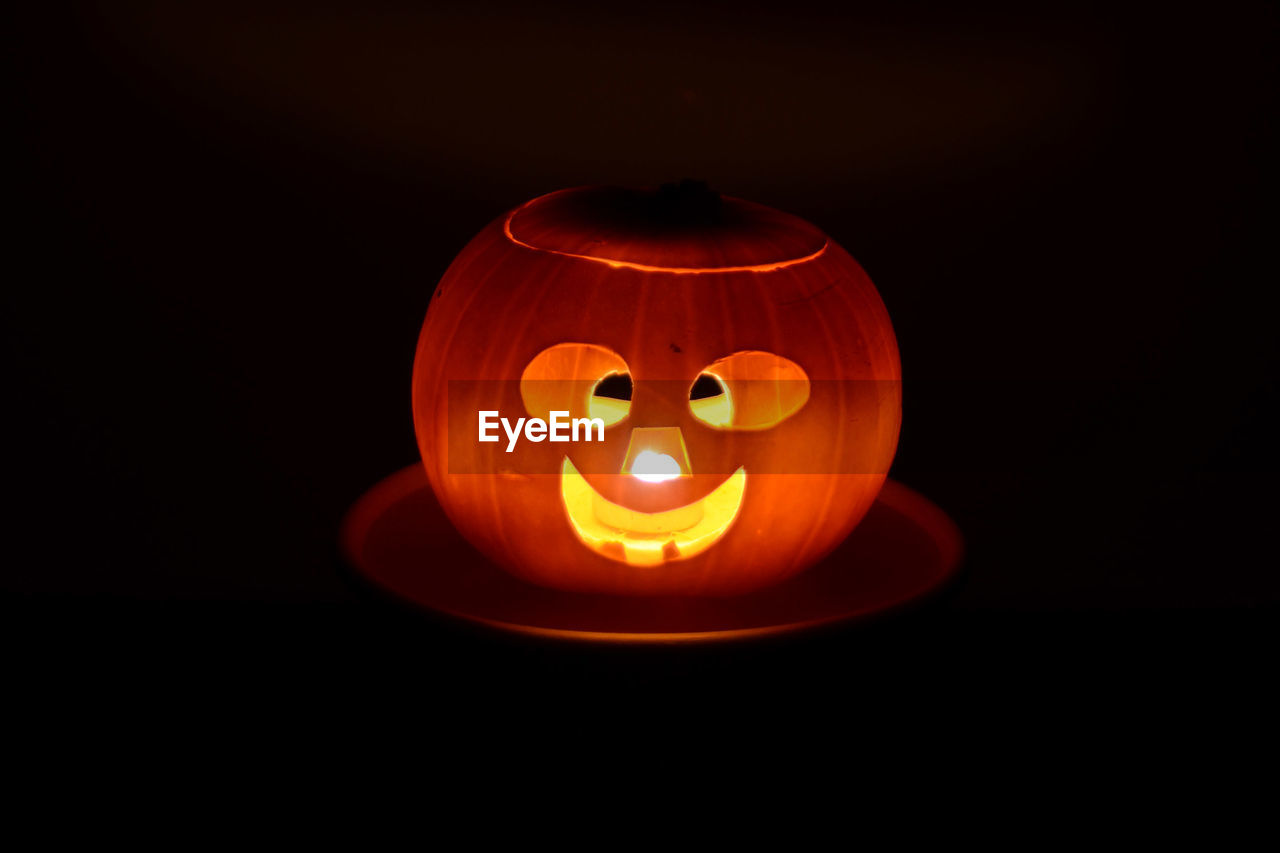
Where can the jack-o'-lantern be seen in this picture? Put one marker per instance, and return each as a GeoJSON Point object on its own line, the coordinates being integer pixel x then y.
{"type": "Point", "coordinates": [733, 369]}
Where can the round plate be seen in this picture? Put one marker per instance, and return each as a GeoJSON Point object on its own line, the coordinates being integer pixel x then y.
{"type": "Point", "coordinates": [397, 536]}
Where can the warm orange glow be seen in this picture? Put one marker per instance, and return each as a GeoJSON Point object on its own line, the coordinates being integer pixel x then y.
{"type": "Point", "coordinates": [761, 391]}
{"type": "Point", "coordinates": [562, 378]}
{"type": "Point", "coordinates": [656, 454]}
{"type": "Point", "coordinates": [905, 548]}
{"type": "Point", "coordinates": [607, 409]}
{"type": "Point", "coordinates": [649, 538]}
{"type": "Point", "coordinates": [714, 411]}
{"type": "Point", "coordinates": [585, 285]}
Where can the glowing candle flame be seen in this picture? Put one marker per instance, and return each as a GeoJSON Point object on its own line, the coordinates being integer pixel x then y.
{"type": "Point", "coordinates": [654, 467]}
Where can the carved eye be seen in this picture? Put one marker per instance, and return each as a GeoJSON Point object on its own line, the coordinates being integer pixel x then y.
{"type": "Point", "coordinates": [709, 400]}
{"type": "Point", "coordinates": [611, 398]}
{"type": "Point", "coordinates": [749, 390]}
{"type": "Point", "coordinates": [582, 379]}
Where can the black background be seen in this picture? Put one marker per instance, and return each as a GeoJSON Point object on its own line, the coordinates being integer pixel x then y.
{"type": "Point", "coordinates": [229, 221]}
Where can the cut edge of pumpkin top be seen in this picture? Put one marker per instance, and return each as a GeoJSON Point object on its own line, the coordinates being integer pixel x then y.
{"type": "Point", "coordinates": [683, 228]}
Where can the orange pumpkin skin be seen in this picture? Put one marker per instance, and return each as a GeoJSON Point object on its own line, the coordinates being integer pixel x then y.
{"type": "Point", "coordinates": [669, 298]}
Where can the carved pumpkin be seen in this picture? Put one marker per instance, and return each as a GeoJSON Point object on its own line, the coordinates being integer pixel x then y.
{"type": "Point", "coordinates": [742, 363]}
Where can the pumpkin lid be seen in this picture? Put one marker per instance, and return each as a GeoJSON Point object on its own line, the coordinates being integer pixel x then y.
{"type": "Point", "coordinates": [683, 227]}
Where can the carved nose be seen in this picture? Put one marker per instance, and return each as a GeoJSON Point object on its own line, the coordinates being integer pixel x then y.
{"type": "Point", "coordinates": [656, 454]}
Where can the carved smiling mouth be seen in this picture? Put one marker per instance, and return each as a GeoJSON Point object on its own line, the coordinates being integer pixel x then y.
{"type": "Point", "coordinates": [649, 538]}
